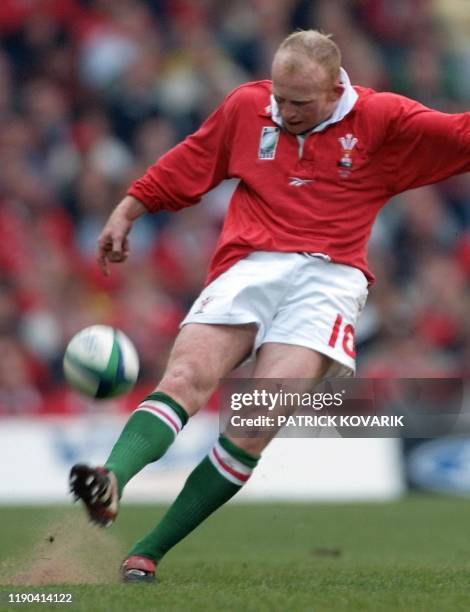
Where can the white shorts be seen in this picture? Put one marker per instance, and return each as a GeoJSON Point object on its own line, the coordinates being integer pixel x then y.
{"type": "Point", "coordinates": [293, 298]}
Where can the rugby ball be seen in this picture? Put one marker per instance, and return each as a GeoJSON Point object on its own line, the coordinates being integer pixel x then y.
{"type": "Point", "coordinates": [101, 362]}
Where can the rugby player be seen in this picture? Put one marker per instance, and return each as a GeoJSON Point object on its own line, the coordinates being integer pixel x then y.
{"type": "Point", "coordinates": [316, 159]}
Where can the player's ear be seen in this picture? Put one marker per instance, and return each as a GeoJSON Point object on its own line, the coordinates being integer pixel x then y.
{"type": "Point", "coordinates": [337, 91]}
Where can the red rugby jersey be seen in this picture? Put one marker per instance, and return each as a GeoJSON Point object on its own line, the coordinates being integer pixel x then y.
{"type": "Point", "coordinates": [324, 201]}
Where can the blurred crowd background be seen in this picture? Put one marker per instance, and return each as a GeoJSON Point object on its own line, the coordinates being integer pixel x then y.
{"type": "Point", "coordinates": [93, 91]}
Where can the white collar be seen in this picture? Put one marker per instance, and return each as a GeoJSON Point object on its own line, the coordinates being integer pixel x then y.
{"type": "Point", "coordinates": [345, 105]}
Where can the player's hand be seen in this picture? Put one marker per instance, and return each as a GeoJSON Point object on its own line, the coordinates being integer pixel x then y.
{"type": "Point", "coordinates": [113, 244]}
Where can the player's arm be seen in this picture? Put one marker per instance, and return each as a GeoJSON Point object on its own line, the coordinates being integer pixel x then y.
{"type": "Point", "coordinates": [178, 179]}
{"type": "Point", "coordinates": [425, 145]}
{"type": "Point", "coordinates": [190, 169]}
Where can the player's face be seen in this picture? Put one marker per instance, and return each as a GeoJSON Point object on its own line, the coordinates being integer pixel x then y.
{"type": "Point", "coordinates": [305, 98]}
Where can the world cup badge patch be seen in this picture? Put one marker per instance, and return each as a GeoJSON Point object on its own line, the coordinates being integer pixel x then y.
{"type": "Point", "coordinates": [347, 143]}
{"type": "Point", "coordinates": [268, 142]}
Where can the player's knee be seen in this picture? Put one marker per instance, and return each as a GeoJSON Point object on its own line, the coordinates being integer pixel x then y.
{"type": "Point", "coordinates": [189, 384]}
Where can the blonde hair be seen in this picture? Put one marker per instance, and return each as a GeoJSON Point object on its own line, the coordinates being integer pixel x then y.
{"type": "Point", "coordinates": [314, 45]}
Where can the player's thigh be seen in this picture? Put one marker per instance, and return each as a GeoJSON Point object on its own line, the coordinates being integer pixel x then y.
{"type": "Point", "coordinates": [203, 354]}
{"type": "Point", "coordinates": [280, 362]}
{"type": "Point", "coordinates": [276, 360]}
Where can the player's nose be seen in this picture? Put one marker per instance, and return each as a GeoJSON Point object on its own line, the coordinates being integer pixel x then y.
{"type": "Point", "coordinates": [289, 114]}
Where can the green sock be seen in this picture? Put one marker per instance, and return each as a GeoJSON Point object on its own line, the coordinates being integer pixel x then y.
{"type": "Point", "coordinates": [213, 482]}
{"type": "Point", "coordinates": [146, 437]}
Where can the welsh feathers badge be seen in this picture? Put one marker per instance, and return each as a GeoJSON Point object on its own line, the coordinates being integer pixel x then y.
{"type": "Point", "coordinates": [347, 143]}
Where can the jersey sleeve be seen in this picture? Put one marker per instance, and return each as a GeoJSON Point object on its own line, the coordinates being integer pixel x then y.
{"type": "Point", "coordinates": [187, 171]}
{"type": "Point", "coordinates": [424, 146]}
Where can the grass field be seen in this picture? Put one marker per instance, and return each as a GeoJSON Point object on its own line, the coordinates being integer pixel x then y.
{"type": "Point", "coordinates": [410, 555]}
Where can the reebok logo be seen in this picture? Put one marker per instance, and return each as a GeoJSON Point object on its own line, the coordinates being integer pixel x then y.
{"type": "Point", "coordinates": [295, 181]}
